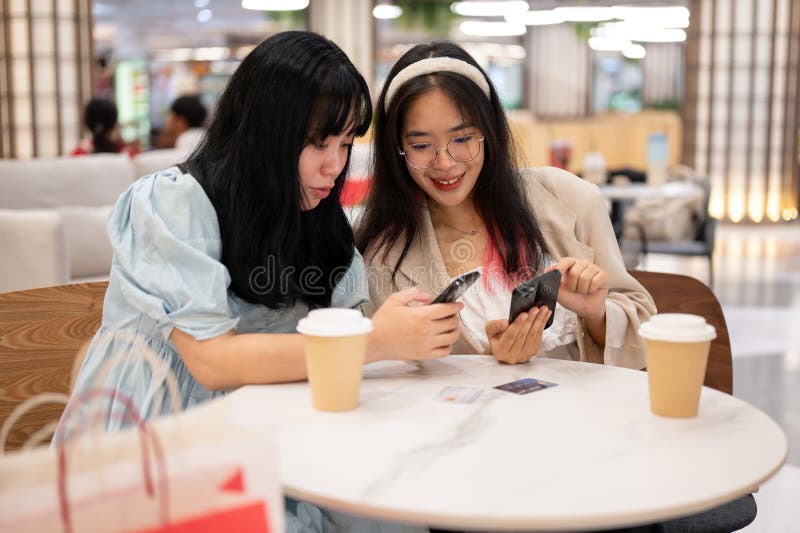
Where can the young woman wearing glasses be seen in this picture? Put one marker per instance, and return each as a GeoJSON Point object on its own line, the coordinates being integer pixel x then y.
{"type": "Point", "coordinates": [446, 199]}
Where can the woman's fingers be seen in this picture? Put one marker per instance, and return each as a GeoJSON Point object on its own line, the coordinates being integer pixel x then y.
{"type": "Point", "coordinates": [510, 335]}
{"type": "Point", "coordinates": [407, 296]}
{"type": "Point", "coordinates": [581, 276]}
{"type": "Point", "coordinates": [518, 346]}
{"type": "Point", "coordinates": [495, 328]}
{"type": "Point", "coordinates": [447, 338]}
{"type": "Point", "coordinates": [438, 311]}
{"type": "Point", "coordinates": [599, 281]}
{"type": "Point", "coordinates": [585, 278]}
{"type": "Point", "coordinates": [534, 338]}
{"type": "Point", "coordinates": [444, 325]}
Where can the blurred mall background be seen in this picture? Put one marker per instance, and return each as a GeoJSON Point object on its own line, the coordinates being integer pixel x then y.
{"type": "Point", "coordinates": [718, 77]}
{"type": "Point", "coordinates": [705, 92]}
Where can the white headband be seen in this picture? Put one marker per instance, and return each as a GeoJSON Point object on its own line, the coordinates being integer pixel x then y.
{"type": "Point", "coordinates": [432, 65]}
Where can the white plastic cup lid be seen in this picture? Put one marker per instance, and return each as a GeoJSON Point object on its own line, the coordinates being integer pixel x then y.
{"type": "Point", "coordinates": [677, 327]}
{"type": "Point", "coordinates": [334, 322]}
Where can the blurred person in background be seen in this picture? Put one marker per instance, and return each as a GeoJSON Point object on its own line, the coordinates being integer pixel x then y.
{"type": "Point", "coordinates": [184, 127]}
{"type": "Point", "coordinates": [100, 118]}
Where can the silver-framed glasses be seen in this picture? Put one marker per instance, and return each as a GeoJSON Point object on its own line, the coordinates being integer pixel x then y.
{"type": "Point", "coordinates": [463, 149]}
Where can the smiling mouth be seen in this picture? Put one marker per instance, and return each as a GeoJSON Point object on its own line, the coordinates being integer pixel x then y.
{"type": "Point", "coordinates": [447, 183]}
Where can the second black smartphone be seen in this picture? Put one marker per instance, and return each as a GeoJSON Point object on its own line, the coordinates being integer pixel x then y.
{"type": "Point", "coordinates": [457, 287]}
{"type": "Point", "coordinates": [539, 291]}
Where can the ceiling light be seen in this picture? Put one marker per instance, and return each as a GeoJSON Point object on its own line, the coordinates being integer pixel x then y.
{"type": "Point", "coordinates": [612, 29]}
{"type": "Point", "coordinates": [608, 44]}
{"type": "Point", "coordinates": [658, 35]}
{"type": "Point", "coordinates": [634, 51]}
{"type": "Point", "coordinates": [492, 29]}
{"type": "Point", "coordinates": [496, 50]}
{"type": "Point", "coordinates": [638, 32]}
{"type": "Point", "coordinates": [661, 16]}
{"type": "Point", "coordinates": [585, 14]}
{"type": "Point", "coordinates": [386, 11]}
{"type": "Point", "coordinates": [204, 15]}
{"type": "Point", "coordinates": [211, 53]}
{"type": "Point", "coordinates": [656, 16]}
{"type": "Point", "coordinates": [489, 9]}
{"type": "Point", "coordinates": [174, 54]}
{"type": "Point", "coordinates": [537, 18]}
{"type": "Point", "coordinates": [275, 5]}
{"type": "Point", "coordinates": [200, 4]}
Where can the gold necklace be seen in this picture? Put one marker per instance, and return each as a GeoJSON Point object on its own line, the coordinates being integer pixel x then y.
{"type": "Point", "coordinates": [471, 232]}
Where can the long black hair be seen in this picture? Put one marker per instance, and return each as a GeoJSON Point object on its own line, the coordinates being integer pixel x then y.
{"type": "Point", "coordinates": [393, 208]}
{"type": "Point", "coordinates": [294, 89]}
{"type": "Point", "coordinates": [100, 116]}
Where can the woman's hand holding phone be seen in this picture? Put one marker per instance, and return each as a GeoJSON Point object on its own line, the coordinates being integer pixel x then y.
{"type": "Point", "coordinates": [584, 288]}
{"type": "Point", "coordinates": [517, 343]}
{"type": "Point", "coordinates": [401, 331]}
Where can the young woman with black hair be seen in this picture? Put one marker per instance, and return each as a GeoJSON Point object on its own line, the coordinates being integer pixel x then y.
{"type": "Point", "coordinates": [446, 199]}
{"type": "Point", "coordinates": [217, 259]}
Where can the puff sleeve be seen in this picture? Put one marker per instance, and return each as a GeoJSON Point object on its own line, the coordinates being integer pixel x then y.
{"type": "Point", "coordinates": [167, 248]}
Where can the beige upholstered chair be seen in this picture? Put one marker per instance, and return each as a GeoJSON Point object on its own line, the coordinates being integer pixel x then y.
{"type": "Point", "coordinates": [33, 248]}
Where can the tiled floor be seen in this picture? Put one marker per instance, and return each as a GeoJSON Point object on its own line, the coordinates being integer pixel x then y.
{"type": "Point", "coordinates": [757, 281]}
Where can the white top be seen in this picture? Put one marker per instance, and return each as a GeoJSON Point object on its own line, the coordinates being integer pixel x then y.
{"type": "Point", "coordinates": [482, 304]}
{"type": "Point", "coordinates": [189, 139]}
{"type": "Point", "coordinates": [584, 454]}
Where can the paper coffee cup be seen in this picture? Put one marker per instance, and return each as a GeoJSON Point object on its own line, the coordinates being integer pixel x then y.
{"type": "Point", "coordinates": [335, 340]}
{"type": "Point", "coordinates": [676, 348]}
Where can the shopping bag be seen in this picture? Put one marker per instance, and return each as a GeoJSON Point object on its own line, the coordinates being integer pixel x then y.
{"type": "Point", "coordinates": [191, 471]}
{"type": "Point", "coordinates": [201, 475]}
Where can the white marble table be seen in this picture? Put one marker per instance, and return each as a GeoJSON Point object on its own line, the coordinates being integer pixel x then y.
{"type": "Point", "coordinates": [584, 454]}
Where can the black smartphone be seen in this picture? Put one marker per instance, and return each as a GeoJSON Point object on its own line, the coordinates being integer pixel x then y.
{"type": "Point", "coordinates": [539, 291]}
{"type": "Point", "coordinates": [457, 288]}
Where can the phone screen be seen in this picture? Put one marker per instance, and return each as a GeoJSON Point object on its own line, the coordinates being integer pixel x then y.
{"type": "Point", "coordinates": [458, 287]}
{"type": "Point", "coordinates": [539, 291]}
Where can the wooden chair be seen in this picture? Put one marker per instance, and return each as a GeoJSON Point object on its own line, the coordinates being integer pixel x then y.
{"type": "Point", "coordinates": [41, 333]}
{"type": "Point", "coordinates": [675, 293]}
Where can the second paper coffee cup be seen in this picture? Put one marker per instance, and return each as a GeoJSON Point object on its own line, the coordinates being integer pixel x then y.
{"type": "Point", "coordinates": [676, 348]}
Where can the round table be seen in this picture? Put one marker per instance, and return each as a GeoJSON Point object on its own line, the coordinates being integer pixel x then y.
{"type": "Point", "coordinates": [584, 454]}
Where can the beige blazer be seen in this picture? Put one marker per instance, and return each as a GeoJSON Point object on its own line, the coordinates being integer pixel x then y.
{"type": "Point", "coordinates": [573, 218]}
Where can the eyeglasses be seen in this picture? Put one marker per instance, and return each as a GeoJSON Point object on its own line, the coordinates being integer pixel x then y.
{"type": "Point", "coordinates": [462, 149]}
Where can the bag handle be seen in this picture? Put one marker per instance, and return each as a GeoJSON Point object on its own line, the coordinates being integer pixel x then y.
{"type": "Point", "coordinates": [24, 407]}
{"type": "Point", "coordinates": [161, 374]}
{"type": "Point", "coordinates": [158, 368]}
{"type": "Point", "coordinates": [144, 432]}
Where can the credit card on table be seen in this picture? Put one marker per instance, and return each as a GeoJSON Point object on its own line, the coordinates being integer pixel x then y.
{"type": "Point", "coordinates": [458, 394]}
{"type": "Point", "coordinates": [526, 385]}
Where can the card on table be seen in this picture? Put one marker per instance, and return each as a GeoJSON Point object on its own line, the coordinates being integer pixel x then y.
{"type": "Point", "coordinates": [458, 394]}
{"type": "Point", "coordinates": [524, 386]}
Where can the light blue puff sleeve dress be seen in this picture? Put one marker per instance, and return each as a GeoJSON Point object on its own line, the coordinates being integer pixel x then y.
{"type": "Point", "coordinates": [166, 273]}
